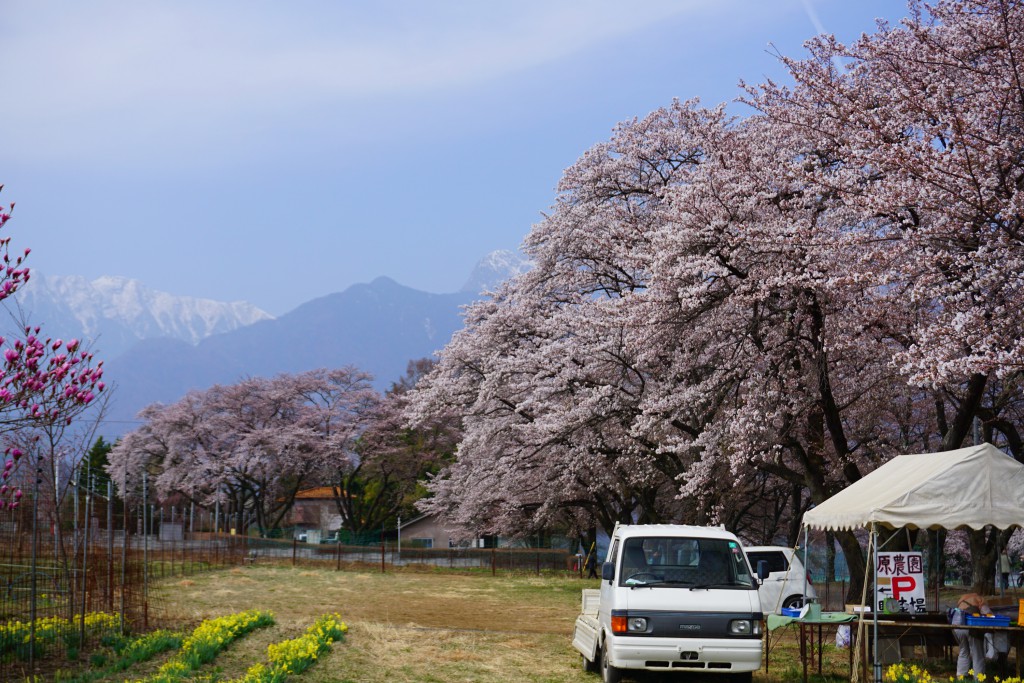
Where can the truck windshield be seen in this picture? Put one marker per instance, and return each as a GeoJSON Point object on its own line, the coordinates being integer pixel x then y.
{"type": "Point", "coordinates": [678, 561]}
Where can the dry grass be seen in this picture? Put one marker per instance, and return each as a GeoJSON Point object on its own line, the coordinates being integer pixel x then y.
{"type": "Point", "coordinates": [414, 626]}
{"type": "Point", "coordinates": [404, 626]}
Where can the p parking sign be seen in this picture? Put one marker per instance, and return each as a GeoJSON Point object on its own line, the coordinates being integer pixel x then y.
{"type": "Point", "coordinates": [900, 583]}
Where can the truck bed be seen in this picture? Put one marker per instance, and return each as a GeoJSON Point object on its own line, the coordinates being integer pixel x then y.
{"type": "Point", "coordinates": [591, 601]}
{"type": "Point", "coordinates": [585, 632]}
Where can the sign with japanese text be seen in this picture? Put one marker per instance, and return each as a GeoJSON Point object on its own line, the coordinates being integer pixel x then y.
{"type": "Point", "coordinates": [900, 583]}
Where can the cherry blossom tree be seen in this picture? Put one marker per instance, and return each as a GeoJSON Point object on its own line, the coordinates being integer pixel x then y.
{"type": "Point", "coordinates": [389, 461]}
{"type": "Point", "coordinates": [924, 121]}
{"type": "Point", "coordinates": [253, 445]}
{"type": "Point", "coordinates": [544, 375]}
{"type": "Point", "coordinates": [778, 303]}
{"type": "Point", "coordinates": [245, 446]}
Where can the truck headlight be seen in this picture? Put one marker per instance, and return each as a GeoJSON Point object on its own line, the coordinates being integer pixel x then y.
{"type": "Point", "coordinates": [637, 624]}
{"type": "Point", "coordinates": [744, 627]}
{"type": "Point", "coordinates": [623, 623]}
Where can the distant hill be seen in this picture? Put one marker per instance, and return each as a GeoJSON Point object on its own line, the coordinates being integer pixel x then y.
{"type": "Point", "coordinates": [378, 327]}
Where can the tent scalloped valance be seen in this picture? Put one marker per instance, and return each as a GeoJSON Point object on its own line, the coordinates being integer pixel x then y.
{"type": "Point", "coordinates": [971, 487]}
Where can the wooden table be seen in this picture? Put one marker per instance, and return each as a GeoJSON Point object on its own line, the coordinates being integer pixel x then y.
{"type": "Point", "coordinates": [901, 629]}
{"type": "Point", "coordinates": [930, 628]}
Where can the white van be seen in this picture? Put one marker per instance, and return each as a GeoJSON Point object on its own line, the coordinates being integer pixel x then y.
{"type": "Point", "coordinates": [673, 598]}
{"type": "Point", "coordinates": [787, 579]}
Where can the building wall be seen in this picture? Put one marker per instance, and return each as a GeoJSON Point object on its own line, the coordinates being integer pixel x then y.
{"type": "Point", "coordinates": [426, 528]}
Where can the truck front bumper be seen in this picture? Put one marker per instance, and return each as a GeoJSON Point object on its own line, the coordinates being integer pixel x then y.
{"type": "Point", "coordinates": [692, 654]}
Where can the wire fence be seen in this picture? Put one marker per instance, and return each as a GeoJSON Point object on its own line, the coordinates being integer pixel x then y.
{"type": "Point", "coordinates": [78, 570]}
{"type": "Point", "coordinates": [388, 556]}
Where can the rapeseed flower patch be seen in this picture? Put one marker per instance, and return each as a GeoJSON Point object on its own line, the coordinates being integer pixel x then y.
{"type": "Point", "coordinates": [292, 657]}
{"type": "Point", "coordinates": [206, 642]}
{"type": "Point", "coordinates": [903, 673]}
{"type": "Point", "coordinates": [15, 635]}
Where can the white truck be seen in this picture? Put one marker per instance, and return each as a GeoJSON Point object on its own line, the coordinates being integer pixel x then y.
{"type": "Point", "coordinates": [673, 598]}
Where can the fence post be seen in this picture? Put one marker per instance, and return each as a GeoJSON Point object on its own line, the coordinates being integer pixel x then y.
{"type": "Point", "coordinates": [110, 546]}
{"type": "Point", "coordinates": [85, 555]}
{"type": "Point", "coordinates": [145, 555]}
{"type": "Point", "coordinates": [33, 580]}
{"type": "Point", "coordinates": [382, 553]}
{"type": "Point", "coordinates": [295, 549]}
{"type": "Point", "coordinates": [494, 564]}
{"type": "Point", "coordinates": [124, 550]}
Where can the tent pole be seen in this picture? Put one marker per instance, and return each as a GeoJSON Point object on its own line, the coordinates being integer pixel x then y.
{"type": "Point", "coordinates": [806, 565]}
{"type": "Point", "coordinates": [859, 640]}
{"type": "Point", "coordinates": [877, 665]}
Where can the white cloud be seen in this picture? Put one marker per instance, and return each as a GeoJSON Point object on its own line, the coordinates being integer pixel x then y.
{"type": "Point", "coordinates": [92, 74]}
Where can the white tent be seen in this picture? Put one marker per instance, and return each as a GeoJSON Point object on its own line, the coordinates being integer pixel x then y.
{"type": "Point", "coordinates": [970, 487]}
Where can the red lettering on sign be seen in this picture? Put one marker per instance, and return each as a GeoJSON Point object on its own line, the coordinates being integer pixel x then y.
{"type": "Point", "coordinates": [903, 584]}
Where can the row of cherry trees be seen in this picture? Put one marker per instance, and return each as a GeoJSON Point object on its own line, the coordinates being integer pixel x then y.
{"type": "Point", "coordinates": [730, 319]}
{"type": "Point", "coordinates": [252, 446]}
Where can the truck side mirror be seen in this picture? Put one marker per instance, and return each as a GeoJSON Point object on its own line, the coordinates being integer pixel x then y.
{"type": "Point", "coordinates": [607, 571]}
{"type": "Point", "coordinates": [762, 570]}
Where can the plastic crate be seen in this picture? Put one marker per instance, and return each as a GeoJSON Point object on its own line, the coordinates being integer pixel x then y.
{"type": "Point", "coordinates": [790, 612]}
{"type": "Point", "coordinates": [987, 621]}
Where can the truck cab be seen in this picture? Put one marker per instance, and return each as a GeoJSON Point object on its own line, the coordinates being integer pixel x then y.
{"type": "Point", "coordinates": [673, 598]}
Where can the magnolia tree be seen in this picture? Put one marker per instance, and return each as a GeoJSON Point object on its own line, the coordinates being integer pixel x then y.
{"type": "Point", "coordinates": [45, 384]}
{"type": "Point", "coordinates": [727, 309]}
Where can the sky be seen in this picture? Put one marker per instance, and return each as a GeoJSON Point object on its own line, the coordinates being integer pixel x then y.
{"type": "Point", "coordinates": [276, 152]}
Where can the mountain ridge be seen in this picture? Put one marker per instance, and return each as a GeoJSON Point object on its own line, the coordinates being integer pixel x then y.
{"type": "Point", "coordinates": [157, 347]}
{"type": "Point", "coordinates": [115, 312]}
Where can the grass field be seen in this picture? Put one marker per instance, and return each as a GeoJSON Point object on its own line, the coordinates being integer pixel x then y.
{"type": "Point", "coordinates": [412, 626]}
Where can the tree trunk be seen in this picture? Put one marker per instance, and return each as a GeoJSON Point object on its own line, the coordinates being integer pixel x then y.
{"type": "Point", "coordinates": [936, 541]}
{"type": "Point", "coordinates": [983, 561]}
{"type": "Point", "coordinates": [857, 563]}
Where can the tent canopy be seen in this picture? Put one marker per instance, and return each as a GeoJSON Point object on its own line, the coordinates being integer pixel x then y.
{"type": "Point", "coordinates": [970, 487]}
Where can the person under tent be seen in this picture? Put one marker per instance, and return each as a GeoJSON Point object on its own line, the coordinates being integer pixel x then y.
{"type": "Point", "coordinates": [971, 655]}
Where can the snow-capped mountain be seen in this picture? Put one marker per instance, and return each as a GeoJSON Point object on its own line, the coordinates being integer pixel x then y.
{"type": "Point", "coordinates": [158, 346]}
{"type": "Point", "coordinates": [494, 269]}
{"type": "Point", "coordinates": [114, 313]}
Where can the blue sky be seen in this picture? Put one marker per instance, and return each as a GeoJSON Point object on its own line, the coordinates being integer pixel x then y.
{"type": "Point", "coordinates": [274, 152]}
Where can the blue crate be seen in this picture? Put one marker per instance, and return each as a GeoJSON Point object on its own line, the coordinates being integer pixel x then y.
{"type": "Point", "coordinates": [790, 612]}
{"type": "Point", "coordinates": [988, 621]}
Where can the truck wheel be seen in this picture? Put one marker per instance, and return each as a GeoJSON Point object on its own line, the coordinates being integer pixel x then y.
{"type": "Point", "coordinates": [609, 674]}
{"type": "Point", "coordinates": [589, 666]}
{"type": "Point", "coordinates": [793, 602]}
